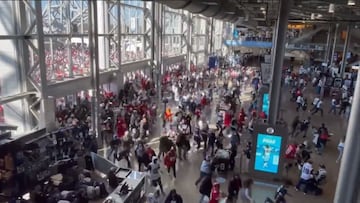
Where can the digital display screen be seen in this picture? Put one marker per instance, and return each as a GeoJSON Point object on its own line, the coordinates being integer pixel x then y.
{"type": "Point", "coordinates": [265, 104]}
{"type": "Point", "coordinates": [267, 153]}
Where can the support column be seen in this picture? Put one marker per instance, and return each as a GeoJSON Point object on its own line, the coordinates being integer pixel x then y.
{"type": "Point", "coordinates": [47, 105]}
{"type": "Point", "coordinates": [212, 37]}
{"type": "Point", "coordinates": [328, 48]}
{"type": "Point", "coordinates": [347, 186]}
{"type": "Point", "coordinates": [121, 73]}
{"type": "Point", "coordinates": [103, 29]}
{"type": "Point", "coordinates": [157, 46]}
{"type": "Point", "coordinates": [334, 45]}
{"type": "Point", "coordinates": [94, 66]}
{"type": "Point", "coordinates": [346, 46]}
{"type": "Point", "coordinates": [189, 40]}
{"type": "Point", "coordinates": [153, 37]}
{"type": "Point", "coordinates": [70, 30]}
{"type": "Point", "coordinates": [277, 63]}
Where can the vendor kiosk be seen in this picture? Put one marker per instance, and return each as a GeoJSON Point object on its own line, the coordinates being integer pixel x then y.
{"type": "Point", "coordinates": [269, 146]}
{"type": "Point", "coordinates": [131, 188]}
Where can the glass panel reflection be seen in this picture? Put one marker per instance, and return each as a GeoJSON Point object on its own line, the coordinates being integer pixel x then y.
{"type": "Point", "coordinates": [132, 48]}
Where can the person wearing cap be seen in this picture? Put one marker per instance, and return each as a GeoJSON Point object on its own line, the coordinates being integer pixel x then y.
{"type": "Point", "coordinates": [205, 169]}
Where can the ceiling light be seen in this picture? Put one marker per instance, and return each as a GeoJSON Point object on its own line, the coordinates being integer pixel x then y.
{"type": "Point", "coordinates": [312, 17]}
{"type": "Point", "coordinates": [331, 8]}
{"type": "Point", "coordinates": [230, 12]}
{"type": "Point", "coordinates": [210, 3]}
{"type": "Point", "coordinates": [264, 12]}
{"type": "Point", "coordinates": [262, 8]}
{"type": "Point", "coordinates": [319, 16]}
{"type": "Point", "coordinates": [351, 3]}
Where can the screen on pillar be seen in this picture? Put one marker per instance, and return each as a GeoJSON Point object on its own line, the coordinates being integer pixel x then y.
{"type": "Point", "coordinates": [268, 148]}
{"type": "Point", "coordinates": [265, 104]}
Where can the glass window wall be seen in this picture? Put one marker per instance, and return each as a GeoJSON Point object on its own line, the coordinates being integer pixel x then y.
{"type": "Point", "coordinates": [134, 27]}
{"type": "Point", "coordinates": [173, 28]}
{"type": "Point", "coordinates": [65, 27]}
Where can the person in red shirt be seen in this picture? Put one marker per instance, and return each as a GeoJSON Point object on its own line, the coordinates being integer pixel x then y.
{"type": "Point", "coordinates": [215, 193]}
{"type": "Point", "coordinates": [203, 101]}
{"type": "Point", "coordinates": [262, 115]}
{"type": "Point", "coordinates": [121, 127]}
{"type": "Point", "coordinates": [149, 151]}
{"type": "Point", "coordinates": [227, 119]}
{"type": "Point", "coordinates": [290, 152]}
{"type": "Point", "coordinates": [170, 160]}
{"type": "Point", "coordinates": [241, 118]}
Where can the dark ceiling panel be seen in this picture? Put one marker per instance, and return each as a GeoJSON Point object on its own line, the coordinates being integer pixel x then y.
{"type": "Point", "coordinates": [177, 4]}
{"type": "Point", "coordinates": [211, 11]}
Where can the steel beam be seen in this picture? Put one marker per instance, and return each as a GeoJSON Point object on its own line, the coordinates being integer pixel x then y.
{"type": "Point", "coordinates": [23, 53]}
{"type": "Point", "coordinates": [41, 47]}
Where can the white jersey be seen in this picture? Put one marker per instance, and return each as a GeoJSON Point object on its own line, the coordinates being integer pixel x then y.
{"type": "Point", "coordinates": [154, 171]}
{"type": "Point", "coordinates": [306, 171]}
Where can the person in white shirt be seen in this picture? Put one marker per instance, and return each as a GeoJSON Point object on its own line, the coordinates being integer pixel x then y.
{"type": "Point", "coordinates": [340, 149]}
{"type": "Point", "coordinates": [299, 102]}
{"type": "Point", "coordinates": [154, 197]}
{"type": "Point", "coordinates": [306, 175]}
{"type": "Point", "coordinates": [321, 174]}
{"type": "Point", "coordinates": [333, 106]}
{"type": "Point", "coordinates": [245, 192]}
{"type": "Point", "coordinates": [154, 172]}
{"type": "Point", "coordinates": [317, 107]}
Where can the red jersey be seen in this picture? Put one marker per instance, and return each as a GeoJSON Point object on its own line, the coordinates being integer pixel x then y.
{"type": "Point", "coordinates": [290, 151]}
{"type": "Point", "coordinates": [215, 195]}
{"type": "Point", "coordinates": [170, 159]}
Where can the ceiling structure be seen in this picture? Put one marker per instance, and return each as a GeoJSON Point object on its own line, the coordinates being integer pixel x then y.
{"type": "Point", "coordinates": [264, 12]}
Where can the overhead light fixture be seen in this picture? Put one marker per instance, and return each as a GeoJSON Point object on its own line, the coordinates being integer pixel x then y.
{"type": "Point", "coordinates": [331, 8]}
{"type": "Point", "coordinates": [262, 8]}
{"type": "Point", "coordinates": [351, 3]}
{"type": "Point", "coordinates": [230, 12]}
{"type": "Point", "coordinates": [312, 17]}
{"type": "Point", "coordinates": [319, 16]}
{"type": "Point", "coordinates": [264, 12]}
{"type": "Point", "coordinates": [210, 3]}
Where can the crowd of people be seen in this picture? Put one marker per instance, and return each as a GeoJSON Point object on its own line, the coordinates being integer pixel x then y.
{"type": "Point", "coordinates": [189, 123]}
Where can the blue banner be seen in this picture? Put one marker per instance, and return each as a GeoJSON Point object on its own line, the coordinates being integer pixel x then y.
{"type": "Point", "coordinates": [255, 44]}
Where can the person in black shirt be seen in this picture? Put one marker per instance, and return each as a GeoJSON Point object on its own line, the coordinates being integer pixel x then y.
{"type": "Point", "coordinates": [235, 185]}
{"type": "Point", "coordinates": [173, 197]}
{"type": "Point", "coordinates": [211, 141]}
{"type": "Point", "coordinates": [205, 187]}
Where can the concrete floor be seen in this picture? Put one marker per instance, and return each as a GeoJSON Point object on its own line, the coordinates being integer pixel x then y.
{"type": "Point", "coordinates": [188, 170]}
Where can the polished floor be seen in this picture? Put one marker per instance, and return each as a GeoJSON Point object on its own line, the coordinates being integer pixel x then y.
{"type": "Point", "coordinates": [188, 170]}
